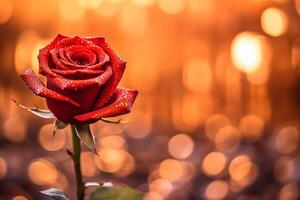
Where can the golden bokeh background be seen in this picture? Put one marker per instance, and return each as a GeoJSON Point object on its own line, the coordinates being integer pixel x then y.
{"type": "Point", "coordinates": [217, 115]}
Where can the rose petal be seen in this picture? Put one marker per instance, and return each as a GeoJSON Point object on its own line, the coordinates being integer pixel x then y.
{"type": "Point", "coordinates": [61, 42]}
{"type": "Point", "coordinates": [82, 52]}
{"type": "Point", "coordinates": [118, 67]}
{"type": "Point", "coordinates": [72, 41]}
{"type": "Point", "coordinates": [69, 57]}
{"type": "Point", "coordinates": [70, 84]}
{"type": "Point", "coordinates": [63, 65]}
{"type": "Point", "coordinates": [56, 60]}
{"type": "Point", "coordinates": [100, 64]}
{"type": "Point", "coordinates": [38, 88]}
{"type": "Point", "coordinates": [101, 56]}
{"type": "Point", "coordinates": [77, 72]}
{"type": "Point", "coordinates": [63, 58]}
{"type": "Point", "coordinates": [120, 103]}
{"type": "Point", "coordinates": [44, 56]}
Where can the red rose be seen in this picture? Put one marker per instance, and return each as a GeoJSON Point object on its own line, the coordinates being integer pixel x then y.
{"type": "Point", "coordinates": [82, 77]}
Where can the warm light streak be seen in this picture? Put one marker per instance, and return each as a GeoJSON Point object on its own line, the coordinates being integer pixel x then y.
{"type": "Point", "coordinates": [6, 10]}
{"type": "Point", "coordinates": [171, 6]}
{"type": "Point", "coordinates": [3, 168]}
{"type": "Point", "coordinates": [197, 75]}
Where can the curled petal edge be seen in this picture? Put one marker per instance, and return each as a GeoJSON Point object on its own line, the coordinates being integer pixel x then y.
{"type": "Point", "coordinates": [78, 72]}
{"type": "Point", "coordinates": [70, 84]}
{"type": "Point", "coordinates": [39, 89]}
{"type": "Point", "coordinates": [122, 101]}
{"type": "Point", "coordinates": [43, 58]}
{"type": "Point", "coordinates": [118, 67]}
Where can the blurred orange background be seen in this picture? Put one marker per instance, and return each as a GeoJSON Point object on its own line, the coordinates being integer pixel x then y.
{"type": "Point", "coordinates": [217, 115]}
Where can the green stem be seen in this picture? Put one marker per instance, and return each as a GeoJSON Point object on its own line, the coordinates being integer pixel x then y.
{"type": "Point", "coordinates": [76, 160]}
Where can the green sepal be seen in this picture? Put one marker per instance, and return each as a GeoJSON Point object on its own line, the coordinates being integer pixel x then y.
{"type": "Point", "coordinates": [86, 136]}
{"type": "Point", "coordinates": [46, 114]}
{"type": "Point", "coordinates": [58, 125]}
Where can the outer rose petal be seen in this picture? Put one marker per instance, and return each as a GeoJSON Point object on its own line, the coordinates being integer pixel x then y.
{"type": "Point", "coordinates": [121, 103]}
{"type": "Point", "coordinates": [44, 55]}
{"type": "Point", "coordinates": [118, 67]}
{"type": "Point", "coordinates": [67, 42]}
{"type": "Point", "coordinates": [85, 93]}
{"type": "Point", "coordinates": [38, 88]}
{"type": "Point", "coordinates": [63, 83]}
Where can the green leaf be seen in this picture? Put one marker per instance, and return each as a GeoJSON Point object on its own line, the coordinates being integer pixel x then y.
{"type": "Point", "coordinates": [55, 194]}
{"type": "Point", "coordinates": [116, 193]}
{"type": "Point", "coordinates": [119, 121]}
{"type": "Point", "coordinates": [84, 133]}
{"type": "Point", "coordinates": [58, 125]}
{"type": "Point", "coordinates": [46, 114]}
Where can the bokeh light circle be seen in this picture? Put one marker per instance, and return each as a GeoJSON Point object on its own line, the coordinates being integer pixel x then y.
{"type": "Point", "coordinates": [274, 22]}
{"type": "Point", "coordinates": [181, 146]}
{"type": "Point", "coordinates": [214, 163]}
{"type": "Point", "coordinates": [42, 172]}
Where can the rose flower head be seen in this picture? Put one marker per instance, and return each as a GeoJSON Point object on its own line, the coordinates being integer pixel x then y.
{"type": "Point", "coordinates": [82, 78]}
